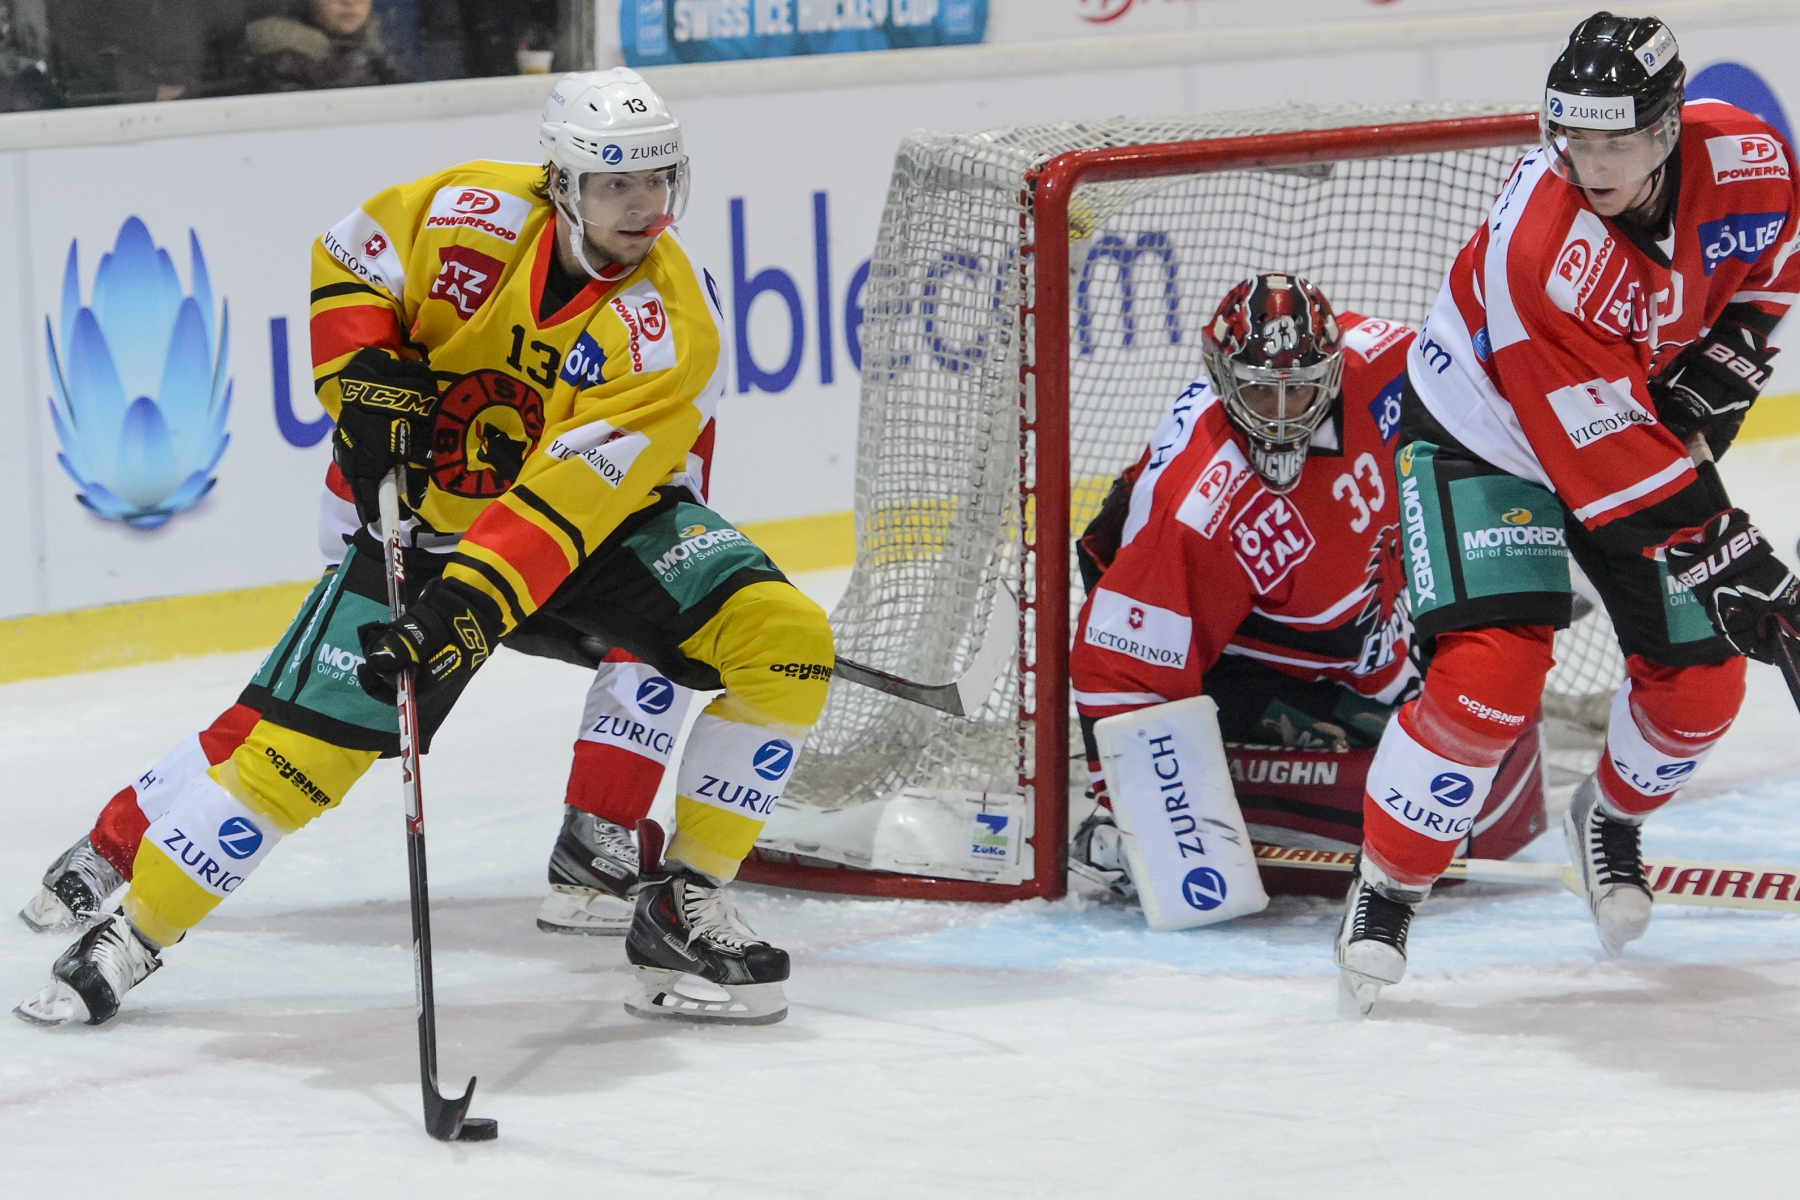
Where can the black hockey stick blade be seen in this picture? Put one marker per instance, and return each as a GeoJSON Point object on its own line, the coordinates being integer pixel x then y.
{"type": "Point", "coordinates": [446, 1119]}
{"type": "Point", "coordinates": [942, 696]}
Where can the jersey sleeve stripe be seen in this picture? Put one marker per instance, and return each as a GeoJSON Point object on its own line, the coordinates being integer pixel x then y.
{"type": "Point", "coordinates": [512, 541]}
{"type": "Point", "coordinates": [567, 527]}
{"type": "Point", "coordinates": [482, 576]}
{"type": "Point", "coordinates": [1643, 487]}
{"type": "Point", "coordinates": [332, 290]}
{"type": "Point", "coordinates": [1772, 297]}
{"type": "Point", "coordinates": [337, 332]}
{"type": "Point", "coordinates": [1113, 699]}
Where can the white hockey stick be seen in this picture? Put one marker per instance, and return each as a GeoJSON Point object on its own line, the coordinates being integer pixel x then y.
{"type": "Point", "coordinates": [1719, 885]}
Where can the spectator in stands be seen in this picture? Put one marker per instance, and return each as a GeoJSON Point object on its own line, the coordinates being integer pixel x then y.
{"type": "Point", "coordinates": [323, 44]}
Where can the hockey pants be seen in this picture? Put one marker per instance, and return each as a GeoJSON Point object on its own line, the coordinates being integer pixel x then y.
{"type": "Point", "coordinates": [192, 829]}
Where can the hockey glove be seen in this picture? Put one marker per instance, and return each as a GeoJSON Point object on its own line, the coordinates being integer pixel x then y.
{"type": "Point", "coordinates": [445, 636]}
{"type": "Point", "coordinates": [1751, 598]}
{"type": "Point", "coordinates": [1710, 385]}
{"type": "Point", "coordinates": [389, 407]}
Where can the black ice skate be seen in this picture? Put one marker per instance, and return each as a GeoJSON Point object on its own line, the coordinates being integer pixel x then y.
{"type": "Point", "coordinates": [93, 975]}
{"type": "Point", "coordinates": [1609, 867]}
{"type": "Point", "coordinates": [1371, 940]}
{"type": "Point", "coordinates": [695, 957]}
{"type": "Point", "coordinates": [76, 889]}
{"type": "Point", "coordinates": [593, 868]}
{"type": "Point", "coordinates": [1097, 857]}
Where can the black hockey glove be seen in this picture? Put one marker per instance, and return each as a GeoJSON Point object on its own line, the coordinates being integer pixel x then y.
{"type": "Point", "coordinates": [389, 407]}
{"type": "Point", "coordinates": [1752, 599]}
{"type": "Point", "coordinates": [1711, 384]}
{"type": "Point", "coordinates": [446, 634]}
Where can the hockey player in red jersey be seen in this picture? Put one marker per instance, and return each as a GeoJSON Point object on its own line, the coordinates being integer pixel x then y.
{"type": "Point", "coordinates": [1616, 304]}
{"type": "Point", "coordinates": [1253, 554]}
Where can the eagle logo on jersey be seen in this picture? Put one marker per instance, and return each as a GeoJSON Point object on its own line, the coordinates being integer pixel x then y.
{"type": "Point", "coordinates": [1383, 611]}
{"type": "Point", "coordinates": [487, 425]}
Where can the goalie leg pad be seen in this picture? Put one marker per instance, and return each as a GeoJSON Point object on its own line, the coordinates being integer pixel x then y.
{"type": "Point", "coordinates": [1184, 837]}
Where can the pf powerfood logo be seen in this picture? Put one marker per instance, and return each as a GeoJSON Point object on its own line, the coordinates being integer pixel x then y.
{"type": "Point", "coordinates": [139, 390]}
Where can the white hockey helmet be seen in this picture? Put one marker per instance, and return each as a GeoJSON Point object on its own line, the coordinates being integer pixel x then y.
{"type": "Point", "coordinates": [609, 123]}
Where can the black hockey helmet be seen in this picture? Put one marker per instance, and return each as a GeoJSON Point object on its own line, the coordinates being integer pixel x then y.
{"type": "Point", "coordinates": [1612, 102]}
{"type": "Point", "coordinates": [1275, 332]}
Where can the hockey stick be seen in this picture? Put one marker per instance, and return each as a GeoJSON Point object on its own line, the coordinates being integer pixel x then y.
{"type": "Point", "coordinates": [1786, 648]}
{"type": "Point", "coordinates": [967, 693]}
{"type": "Point", "coordinates": [1717, 885]}
{"type": "Point", "coordinates": [445, 1119]}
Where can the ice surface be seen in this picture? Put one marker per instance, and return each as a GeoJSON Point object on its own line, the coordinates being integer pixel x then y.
{"type": "Point", "coordinates": [933, 1050]}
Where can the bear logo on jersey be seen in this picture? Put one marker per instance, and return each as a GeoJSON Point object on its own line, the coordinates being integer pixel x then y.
{"type": "Point", "coordinates": [488, 423]}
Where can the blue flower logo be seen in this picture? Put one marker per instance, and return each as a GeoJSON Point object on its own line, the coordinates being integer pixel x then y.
{"type": "Point", "coordinates": [139, 395]}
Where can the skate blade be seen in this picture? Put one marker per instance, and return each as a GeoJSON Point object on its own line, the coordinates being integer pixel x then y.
{"type": "Point", "coordinates": [584, 911]}
{"type": "Point", "coordinates": [675, 996]}
{"type": "Point", "coordinates": [57, 1004]}
{"type": "Point", "coordinates": [1357, 994]}
{"type": "Point", "coordinates": [1626, 919]}
{"type": "Point", "coordinates": [46, 913]}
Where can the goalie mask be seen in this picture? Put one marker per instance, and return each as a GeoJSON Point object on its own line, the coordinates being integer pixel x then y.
{"type": "Point", "coordinates": [616, 157]}
{"type": "Point", "coordinates": [1612, 103]}
{"type": "Point", "coordinates": [1273, 356]}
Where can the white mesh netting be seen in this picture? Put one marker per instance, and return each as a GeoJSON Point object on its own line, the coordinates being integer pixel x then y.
{"type": "Point", "coordinates": [939, 443]}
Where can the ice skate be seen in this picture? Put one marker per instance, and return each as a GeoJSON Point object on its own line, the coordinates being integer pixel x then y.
{"type": "Point", "coordinates": [1371, 940]}
{"type": "Point", "coordinates": [76, 889]}
{"type": "Point", "coordinates": [696, 959]}
{"type": "Point", "coordinates": [1609, 868]}
{"type": "Point", "coordinates": [93, 975]}
{"type": "Point", "coordinates": [592, 870]}
{"type": "Point", "coordinates": [1097, 857]}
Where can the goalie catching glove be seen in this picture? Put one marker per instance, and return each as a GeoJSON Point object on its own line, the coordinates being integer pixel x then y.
{"type": "Point", "coordinates": [1711, 384]}
{"type": "Point", "coordinates": [385, 421]}
{"type": "Point", "coordinates": [1752, 599]}
{"type": "Point", "coordinates": [446, 634]}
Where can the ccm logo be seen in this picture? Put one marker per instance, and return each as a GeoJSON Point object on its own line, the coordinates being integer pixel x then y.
{"type": "Point", "coordinates": [476, 202]}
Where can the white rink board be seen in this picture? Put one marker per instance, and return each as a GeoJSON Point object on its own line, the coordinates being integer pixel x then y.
{"type": "Point", "coordinates": [257, 199]}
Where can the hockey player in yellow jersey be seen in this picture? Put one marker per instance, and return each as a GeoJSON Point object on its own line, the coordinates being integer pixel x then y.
{"type": "Point", "coordinates": [537, 352]}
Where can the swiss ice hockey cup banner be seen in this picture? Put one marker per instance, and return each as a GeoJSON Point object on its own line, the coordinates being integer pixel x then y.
{"type": "Point", "coordinates": [656, 33]}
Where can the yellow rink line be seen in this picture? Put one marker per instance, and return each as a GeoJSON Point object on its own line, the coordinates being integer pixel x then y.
{"type": "Point", "coordinates": [147, 631]}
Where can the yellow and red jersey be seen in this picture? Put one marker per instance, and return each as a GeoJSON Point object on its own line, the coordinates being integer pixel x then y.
{"type": "Point", "coordinates": [551, 431]}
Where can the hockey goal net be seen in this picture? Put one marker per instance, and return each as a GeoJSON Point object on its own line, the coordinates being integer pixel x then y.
{"type": "Point", "coordinates": [1034, 300]}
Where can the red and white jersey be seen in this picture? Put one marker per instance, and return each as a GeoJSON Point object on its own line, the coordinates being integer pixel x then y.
{"type": "Point", "coordinates": [1211, 562]}
{"type": "Point", "coordinates": [1552, 320]}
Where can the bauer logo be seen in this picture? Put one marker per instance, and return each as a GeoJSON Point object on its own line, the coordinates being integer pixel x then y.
{"type": "Point", "coordinates": [655, 695]}
{"type": "Point", "coordinates": [1740, 158]}
{"type": "Point", "coordinates": [1204, 889]}
{"type": "Point", "coordinates": [139, 393]}
{"type": "Point", "coordinates": [773, 759]}
{"type": "Point", "coordinates": [1451, 789]}
{"type": "Point", "coordinates": [238, 838]}
{"type": "Point", "coordinates": [1743, 236]}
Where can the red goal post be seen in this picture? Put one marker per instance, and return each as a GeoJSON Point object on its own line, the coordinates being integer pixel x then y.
{"type": "Point", "coordinates": [1039, 274]}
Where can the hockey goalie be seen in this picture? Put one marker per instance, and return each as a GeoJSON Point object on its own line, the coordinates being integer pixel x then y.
{"type": "Point", "coordinates": [1254, 554]}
